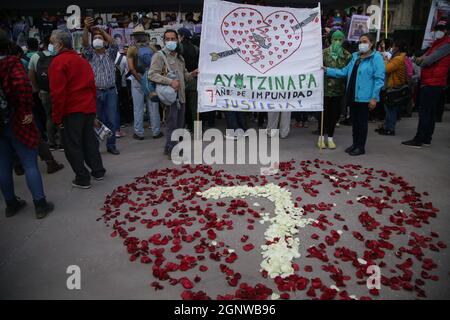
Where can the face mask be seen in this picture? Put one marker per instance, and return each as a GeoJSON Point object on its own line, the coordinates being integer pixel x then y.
{"type": "Point", "coordinates": [97, 43]}
{"type": "Point", "coordinates": [364, 47]}
{"type": "Point", "coordinates": [171, 45]}
{"type": "Point", "coordinates": [51, 49]}
{"type": "Point", "coordinates": [439, 34]}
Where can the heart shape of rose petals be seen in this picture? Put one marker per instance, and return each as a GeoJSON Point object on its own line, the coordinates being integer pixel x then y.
{"type": "Point", "coordinates": [264, 42]}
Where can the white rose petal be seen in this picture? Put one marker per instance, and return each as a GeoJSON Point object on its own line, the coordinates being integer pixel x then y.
{"type": "Point", "coordinates": [362, 261]}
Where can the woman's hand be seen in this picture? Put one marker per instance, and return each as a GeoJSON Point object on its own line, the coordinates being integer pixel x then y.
{"type": "Point", "coordinates": [324, 69]}
{"type": "Point", "coordinates": [372, 104]}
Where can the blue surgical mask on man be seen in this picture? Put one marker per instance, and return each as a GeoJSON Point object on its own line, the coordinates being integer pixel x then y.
{"type": "Point", "coordinates": [51, 49]}
{"type": "Point", "coordinates": [171, 45]}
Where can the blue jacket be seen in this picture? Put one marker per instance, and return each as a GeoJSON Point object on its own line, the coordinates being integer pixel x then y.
{"type": "Point", "coordinates": [370, 77]}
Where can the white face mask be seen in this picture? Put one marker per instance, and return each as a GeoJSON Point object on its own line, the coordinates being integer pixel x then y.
{"type": "Point", "coordinates": [439, 34]}
{"type": "Point", "coordinates": [97, 43]}
{"type": "Point", "coordinates": [364, 47]}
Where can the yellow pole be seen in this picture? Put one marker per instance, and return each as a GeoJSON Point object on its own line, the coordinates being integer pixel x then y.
{"type": "Point", "coordinates": [386, 22]}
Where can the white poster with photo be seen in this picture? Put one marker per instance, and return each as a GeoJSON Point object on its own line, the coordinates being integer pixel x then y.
{"type": "Point", "coordinates": [439, 9]}
{"type": "Point", "coordinates": [359, 25]}
{"type": "Point", "coordinates": [260, 58]}
{"type": "Point", "coordinates": [118, 34]}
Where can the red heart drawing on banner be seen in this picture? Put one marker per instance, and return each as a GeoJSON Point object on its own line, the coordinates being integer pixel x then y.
{"type": "Point", "coordinates": [273, 32]}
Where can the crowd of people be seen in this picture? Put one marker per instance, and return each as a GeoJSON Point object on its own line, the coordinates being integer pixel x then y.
{"type": "Point", "coordinates": [52, 96]}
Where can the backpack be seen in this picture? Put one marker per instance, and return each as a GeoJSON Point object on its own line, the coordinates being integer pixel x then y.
{"type": "Point", "coordinates": [144, 59]}
{"type": "Point", "coordinates": [42, 71]}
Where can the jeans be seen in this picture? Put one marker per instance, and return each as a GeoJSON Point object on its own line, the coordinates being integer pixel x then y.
{"type": "Point", "coordinates": [391, 117]}
{"type": "Point", "coordinates": [430, 98]}
{"type": "Point", "coordinates": [139, 104]}
{"type": "Point", "coordinates": [236, 120]}
{"type": "Point", "coordinates": [107, 112]}
{"type": "Point", "coordinates": [174, 120]}
{"type": "Point", "coordinates": [81, 146]}
{"type": "Point", "coordinates": [359, 113]}
{"type": "Point", "coordinates": [28, 158]}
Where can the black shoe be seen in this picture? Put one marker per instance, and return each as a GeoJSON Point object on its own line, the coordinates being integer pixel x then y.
{"type": "Point", "coordinates": [346, 122]}
{"type": "Point", "coordinates": [13, 207]}
{"type": "Point", "coordinates": [159, 135]}
{"type": "Point", "coordinates": [81, 185]}
{"type": "Point", "coordinates": [136, 137]}
{"type": "Point", "coordinates": [385, 132]}
{"type": "Point", "coordinates": [53, 166]}
{"type": "Point", "coordinates": [42, 208]}
{"type": "Point", "coordinates": [53, 147]}
{"type": "Point", "coordinates": [113, 151]}
{"type": "Point", "coordinates": [413, 143]}
{"type": "Point", "coordinates": [357, 152]}
{"type": "Point", "coordinates": [99, 177]}
{"type": "Point", "coordinates": [350, 149]}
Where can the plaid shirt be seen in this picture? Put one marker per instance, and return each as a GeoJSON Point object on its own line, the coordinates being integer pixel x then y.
{"type": "Point", "coordinates": [103, 65]}
{"type": "Point", "coordinates": [18, 92]}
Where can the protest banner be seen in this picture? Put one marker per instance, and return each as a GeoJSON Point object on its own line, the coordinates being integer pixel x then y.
{"type": "Point", "coordinates": [358, 26]}
{"type": "Point", "coordinates": [439, 10]}
{"type": "Point", "coordinates": [260, 58]}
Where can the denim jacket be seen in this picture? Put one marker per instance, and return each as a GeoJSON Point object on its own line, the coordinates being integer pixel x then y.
{"type": "Point", "coordinates": [370, 78]}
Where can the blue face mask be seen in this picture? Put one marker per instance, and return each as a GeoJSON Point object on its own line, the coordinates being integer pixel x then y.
{"type": "Point", "coordinates": [51, 49]}
{"type": "Point", "coordinates": [171, 45]}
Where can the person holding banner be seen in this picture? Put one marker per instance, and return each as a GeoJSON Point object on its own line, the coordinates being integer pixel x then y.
{"type": "Point", "coordinates": [365, 77]}
{"type": "Point", "coordinates": [334, 56]}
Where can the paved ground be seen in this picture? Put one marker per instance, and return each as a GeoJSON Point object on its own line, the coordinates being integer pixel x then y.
{"type": "Point", "coordinates": [34, 254]}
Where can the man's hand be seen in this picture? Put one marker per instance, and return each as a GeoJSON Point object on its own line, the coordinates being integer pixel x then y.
{"type": "Point", "coordinates": [419, 60]}
{"type": "Point", "coordinates": [175, 84]}
{"type": "Point", "coordinates": [372, 104]}
{"type": "Point", "coordinates": [88, 22]}
{"type": "Point", "coordinates": [27, 119]}
{"type": "Point", "coordinates": [195, 73]}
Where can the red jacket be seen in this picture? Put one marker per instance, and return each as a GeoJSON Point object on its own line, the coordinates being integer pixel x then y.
{"type": "Point", "coordinates": [72, 85]}
{"type": "Point", "coordinates": [436, 75]}
{"type": "Point", "coordinates": [18, 93]}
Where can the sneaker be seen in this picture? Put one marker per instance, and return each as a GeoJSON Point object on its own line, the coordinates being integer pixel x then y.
{"type": "Point", "coordinates": [99, 177]}
{"type": "Point", "coordinates": [413, 144]}
{"type": "Point", "coordinates": [385, 132]}
{"type": "Point", "coordinates": [331, 145]}
{"type": "Point", "coordinates": [43, 208]}
{"type": "Point", "coordinates": [81, 185]}
{"type": "Point", "coordinates": [159, 135]}
{"type": "Point", "coordinates": [136, 137]}
{"type": "Point", "coordinates": [13, 207]}
{"type": "Point", "coordinates": [321, 144]}
{"type": "Point", "coordinates": [113, 151]}
{"type": "Point", "coordinates": [52, 147]}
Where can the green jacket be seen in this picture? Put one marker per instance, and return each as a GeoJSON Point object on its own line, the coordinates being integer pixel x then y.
{"type": "Point", "coordinates": [335, 87]}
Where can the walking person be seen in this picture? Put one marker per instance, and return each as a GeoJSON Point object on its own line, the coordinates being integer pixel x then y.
{"type": "Point", "coordinates": [335, 56]}
{"type": "Point", "coordinates": [18, 134]}
{"type": "Point", "coordinates": [435, 64]}
{"type": "Point", "coordinates": [396, 78]}
{"type": "Point", "coordinates": [73, 92]}
{"type": "Point", "coordinates": [139, 58]}
{"type": "Point", "coordinates": [169, 60]}
{"type": "Point", "coordinates": [102, 56]}
{"type": "Point", "coordinates": [365, 75]}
